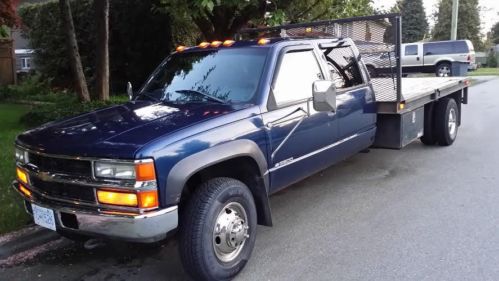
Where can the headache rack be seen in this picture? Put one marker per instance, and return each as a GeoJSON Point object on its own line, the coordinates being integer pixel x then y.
{"type": "Point", "coordinates": [377, 37]}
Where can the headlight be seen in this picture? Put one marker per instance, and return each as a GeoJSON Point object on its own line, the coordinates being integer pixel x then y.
{"type": "Point", "coordinates": [21, 155]}
{"type": "Point", "coordinates": [110, 170]}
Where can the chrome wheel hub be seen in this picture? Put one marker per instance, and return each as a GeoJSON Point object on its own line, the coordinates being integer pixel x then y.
{"type": "Point", "coordinates": [230, 232]}
{"type": "Point", "coordinates": [444, 71]}
{"type": "Point", "coordinates": [452, 123]}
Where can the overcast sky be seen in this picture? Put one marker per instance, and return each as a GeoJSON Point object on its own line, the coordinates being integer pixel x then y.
{"type": "Point", "coordinates": [489, 14]}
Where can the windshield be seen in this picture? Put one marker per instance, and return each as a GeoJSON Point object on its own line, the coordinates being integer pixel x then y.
{"type": "Point", "coordinates": [227, 75]}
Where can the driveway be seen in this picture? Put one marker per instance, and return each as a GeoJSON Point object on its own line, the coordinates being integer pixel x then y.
{"type": "Point", "coordinates": [422, 213]}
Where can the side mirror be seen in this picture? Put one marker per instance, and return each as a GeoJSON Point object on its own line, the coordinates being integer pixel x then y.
{"type": "Point", "coordinates": [129, 90]}
{"type": "Point", "coordinates": [324, 96]}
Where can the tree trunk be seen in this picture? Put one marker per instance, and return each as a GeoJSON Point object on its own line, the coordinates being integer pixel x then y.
{"type": "Point", "coordinates": [73, 52]}
{"type": "Point", "coordinates": [102, 69]}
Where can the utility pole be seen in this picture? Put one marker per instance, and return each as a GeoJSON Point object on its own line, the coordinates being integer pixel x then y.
{"type": "Point", "coordinates": [455, 16]}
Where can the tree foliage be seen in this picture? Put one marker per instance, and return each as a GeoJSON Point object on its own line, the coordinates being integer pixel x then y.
{"type": "Point", "coordinates": [495, 33]}
{"type": "Point", "coordinates": [468, 24]}
{"type": "Point", "coordinates": [221, 19]}
{"type": "Point", "coordinates": [414, 21]}
{"type": "Point", "coordinates": [140, 38]}
{"type": "Point", "coordinates": [8, 16]}
{"type": "Point", "coordinates": [492, 59]}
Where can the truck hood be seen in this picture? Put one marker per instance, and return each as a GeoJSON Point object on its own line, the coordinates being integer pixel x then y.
{"type": "Point", "coordinates": [118, 131]}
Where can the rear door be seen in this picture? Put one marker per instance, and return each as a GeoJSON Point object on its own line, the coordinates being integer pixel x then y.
{"type": "Point", "coordinates": [412, 56]}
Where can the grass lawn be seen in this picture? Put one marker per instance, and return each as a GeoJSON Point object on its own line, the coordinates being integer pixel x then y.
{"type": "Point", "coordinates": [12, 214]}
{"type": "Point", "coordinates": [485, 71]}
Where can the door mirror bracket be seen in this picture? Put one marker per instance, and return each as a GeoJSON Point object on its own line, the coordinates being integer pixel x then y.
{"type": "Point", "coordinates": [129, 90]}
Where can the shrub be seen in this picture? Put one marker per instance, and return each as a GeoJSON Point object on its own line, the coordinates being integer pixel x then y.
{"type": "Point", "coordinates": [63, 108]}
{"type": "Point", "coordinates": [33, 88]}
{"type": "Point", "coordinates": [492, 60]}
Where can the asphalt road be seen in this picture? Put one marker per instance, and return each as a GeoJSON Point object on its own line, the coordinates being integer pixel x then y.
{"type": "Point", "coordinates": [422, 213]}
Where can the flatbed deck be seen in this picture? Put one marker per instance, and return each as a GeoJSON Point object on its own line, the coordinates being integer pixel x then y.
{"type": "Point", "coordinates": [415, 92]}
{"type": "Point", "coordinates": [414, 88]}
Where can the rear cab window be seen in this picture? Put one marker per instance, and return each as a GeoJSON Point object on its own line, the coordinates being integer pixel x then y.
{"type": "Point", "coordinates": [343, 68]}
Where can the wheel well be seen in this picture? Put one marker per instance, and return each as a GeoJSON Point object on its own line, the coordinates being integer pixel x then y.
{"type": "Point", "coordinates": [441, 62]}
{"type": "Point", "coordinates": [244, 169]}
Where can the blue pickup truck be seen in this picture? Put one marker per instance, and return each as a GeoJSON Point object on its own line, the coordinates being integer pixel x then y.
{"type": "Point", "coordinates": [217, 129]}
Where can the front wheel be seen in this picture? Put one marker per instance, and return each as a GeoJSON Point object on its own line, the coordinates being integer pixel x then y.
{"type": "Point", "coordinates": [218, 230]}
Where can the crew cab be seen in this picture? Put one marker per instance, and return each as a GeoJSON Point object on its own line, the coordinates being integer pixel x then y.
{"type": "Point", "coordinates": [214, 131]}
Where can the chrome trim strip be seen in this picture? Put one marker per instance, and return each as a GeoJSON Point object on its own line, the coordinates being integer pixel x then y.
{"type": "Point", "coordinates": [275, 168]}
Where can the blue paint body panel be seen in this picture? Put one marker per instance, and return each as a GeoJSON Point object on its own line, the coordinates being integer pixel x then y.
{"type": "Point", "coordinates": [169, 133]}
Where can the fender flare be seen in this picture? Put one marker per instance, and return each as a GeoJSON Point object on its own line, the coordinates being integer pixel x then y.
{"type": "Point", "coordinates": [187, 167]}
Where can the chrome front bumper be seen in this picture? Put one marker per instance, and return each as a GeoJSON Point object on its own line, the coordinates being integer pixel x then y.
{"type": "Point", "coordinates": [149, 227]}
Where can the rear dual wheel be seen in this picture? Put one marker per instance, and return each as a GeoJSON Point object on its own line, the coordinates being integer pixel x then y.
{"type": "Point", "coordinates": [441, 122]}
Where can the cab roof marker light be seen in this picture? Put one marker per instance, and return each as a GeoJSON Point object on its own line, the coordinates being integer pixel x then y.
{"type": "Point", "coordinates": [228, 43]}
{"type": "Point", "coordinates": [204, 45]}
{"type": "Point", "coordinates": [180, 48]}
{"type": "Point", "coordinates": [216, 44]}
{"type": "Point", "coordinates": [263, 41]}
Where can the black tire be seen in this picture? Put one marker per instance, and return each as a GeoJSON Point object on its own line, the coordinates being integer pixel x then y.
{"type": "Point", "coordinates": [443, 70]}
{"type": "Point", "coordinates": [197, 240]}
{"type": "Point", "coordinates": [443, 133]}
{"type": "Point", "coordinates": [428, 137]}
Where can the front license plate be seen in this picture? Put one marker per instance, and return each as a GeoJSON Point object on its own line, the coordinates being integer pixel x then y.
{"type": "Point", "coordinates": [44, 217]}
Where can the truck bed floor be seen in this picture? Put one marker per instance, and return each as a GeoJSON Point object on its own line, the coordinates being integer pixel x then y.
{"type": "Point", "coordinates": [412, 88]}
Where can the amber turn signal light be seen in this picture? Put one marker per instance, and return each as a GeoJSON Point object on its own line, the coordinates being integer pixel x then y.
{"type": "Point", "coordinates": [24, 190]}
{"type": "Point", "coordinates": [148, 199]}
{"type": "Point", "coordinates": [145, 171]}
{"type": "Point", "coordinates": [126, 199]}
{"type": "Point", "coordinates": [22, 176]}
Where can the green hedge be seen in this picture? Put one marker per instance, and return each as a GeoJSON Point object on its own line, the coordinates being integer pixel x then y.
{"type": "Point", "coordinates": [140, 37]}
{"type": "Point", "coordinates": [63, 108]}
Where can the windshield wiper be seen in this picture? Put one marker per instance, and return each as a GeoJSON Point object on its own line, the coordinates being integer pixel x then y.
{"type": "Point", "coordinates": [202, 94]}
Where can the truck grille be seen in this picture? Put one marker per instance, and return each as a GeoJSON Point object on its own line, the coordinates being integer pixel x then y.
{"type": "Point", "coordinates": [64, 190]}
{"type": "Point", "coordinates": [61, 165]}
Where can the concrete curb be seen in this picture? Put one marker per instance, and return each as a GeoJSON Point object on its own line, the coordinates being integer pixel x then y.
{"type": "Point", "coordinates": [25, 239]}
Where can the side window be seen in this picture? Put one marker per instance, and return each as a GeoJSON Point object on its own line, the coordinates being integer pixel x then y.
{"type": "Point", "coordinates": [343, 67]}
{"type": "Point", "coordinates": [296, 74]}
{"type": "Point", "coordinates": [441, 48]}
{"type": "Point", "coordinates": [461, 47]}
{"type": "Point", "coordinates": [411, 50]}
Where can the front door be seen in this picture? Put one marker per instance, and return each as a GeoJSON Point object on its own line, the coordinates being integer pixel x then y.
{"type": "Point", "coordinates": [296, 132]}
